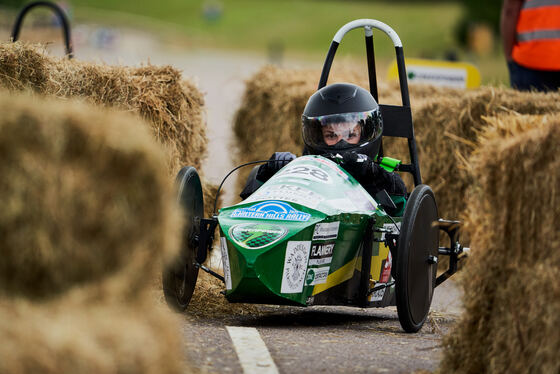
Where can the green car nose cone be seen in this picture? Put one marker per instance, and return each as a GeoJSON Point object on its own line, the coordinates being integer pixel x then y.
{"type": "Point", "coordinates": [297, 237]}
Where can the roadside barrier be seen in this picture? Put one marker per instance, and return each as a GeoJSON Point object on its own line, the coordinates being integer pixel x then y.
{"type": "Point", "coordinates": [88, 216]}
{"type": "Point", "coordinates": [512, 294]}
{"type": "Point", "coordinates": [173, 107]}
{"type": "Point", "coordinates": [446, 123]}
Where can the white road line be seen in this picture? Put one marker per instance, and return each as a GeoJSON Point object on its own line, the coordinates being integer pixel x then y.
{"type": "Point", "coordinates": [251, 350]}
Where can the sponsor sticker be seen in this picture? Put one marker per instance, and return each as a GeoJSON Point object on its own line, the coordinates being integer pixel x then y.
{"type": "Point", "coordinates": [326, 231]}
{"type": "Point", "coordinates": [256, 235]}
{"type": "Point", "coordinates": [378, 295]}
{"type": "Point", "coordinates": [317, 276]}
{"type": "Point", "coordinates": [306, 171]}
{"type": "Point", "coordinates": [225, 263]}
{"type": "Point", "coordinates": [271, 210]}
{"type": "Point", "coordinates": [386, 272]}
{"type": "Point", "coordinates": [287, 192]}
{"type": "Point", "coordinates": [392, 228]}
{"type": "Point", "coordinates": [295, 266]}
{"type": "Point", "coordinates": [321, 254]}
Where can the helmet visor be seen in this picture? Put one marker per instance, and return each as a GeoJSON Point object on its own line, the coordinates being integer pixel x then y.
{"type": "Point", "coordinates": [342, 131]}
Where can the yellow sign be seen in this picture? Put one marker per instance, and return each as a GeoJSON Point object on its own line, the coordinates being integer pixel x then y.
{"type": "Point", "coordinates": [439, 73]}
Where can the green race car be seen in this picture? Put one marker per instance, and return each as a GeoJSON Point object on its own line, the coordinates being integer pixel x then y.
{"type": "Point", "coordinates": [312, 235]}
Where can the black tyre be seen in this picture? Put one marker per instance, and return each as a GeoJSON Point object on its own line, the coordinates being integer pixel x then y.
{"type": "Point", "coordinates": [416, 262]}
{"type": "Point", "coordinates": [179, 277]}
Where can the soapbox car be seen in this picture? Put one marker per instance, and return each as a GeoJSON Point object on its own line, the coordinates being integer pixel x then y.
{"type": "Point", "coordinates": [312, 235]}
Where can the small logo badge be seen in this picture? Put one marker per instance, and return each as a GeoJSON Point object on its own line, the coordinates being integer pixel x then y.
{"type": "Point", "coordinates": [256, 235]}
{"type": "Point", "coordinates": [271, 210]}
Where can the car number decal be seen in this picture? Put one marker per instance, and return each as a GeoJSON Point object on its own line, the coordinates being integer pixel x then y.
{"type": "Point", "coordinates": [307, 171]}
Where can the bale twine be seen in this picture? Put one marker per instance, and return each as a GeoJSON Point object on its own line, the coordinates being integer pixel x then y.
{"type": "Point", "coordinates": [63, 337]}
{"type": "Point", "coordinates": [512, 295]}
{"type": "Point", "coordinates": [85, 200]}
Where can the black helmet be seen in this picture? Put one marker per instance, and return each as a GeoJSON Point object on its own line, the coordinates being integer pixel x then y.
{"type": "Point", "coordinates": [342, 117]}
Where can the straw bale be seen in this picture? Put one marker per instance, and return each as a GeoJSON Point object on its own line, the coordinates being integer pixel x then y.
{"type": "Point", "coordinates": [172, 106]}
{"type": "Point", "coordinates": [446, 130]}
{"type": "Point", "coordinates": [269, 118]}
{"type": "Point", "coordinates": [512, 294]}
{"type": "Point", "coordinates": [446, 123]}
{"type": "Point", "coordinates": [85, 200]}
{"type": "Point", "coordinates": [63, 337]}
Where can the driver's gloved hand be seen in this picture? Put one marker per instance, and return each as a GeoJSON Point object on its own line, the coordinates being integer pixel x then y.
{"type": "Point", "coordinates": [276, 162]}
{"type": "Point", "coordinates": [360, 166]}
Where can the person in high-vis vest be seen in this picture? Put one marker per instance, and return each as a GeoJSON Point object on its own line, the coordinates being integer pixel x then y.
{"type": "Point", "coordinates": [531, 39]}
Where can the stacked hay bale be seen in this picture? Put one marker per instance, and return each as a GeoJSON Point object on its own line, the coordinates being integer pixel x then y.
{"type": "Point", "coordinates": [87, 213]}
{"type": "Point", "coordinates": [269, 118]}
{"type": "Point", "coordinates": [446, 123]}
{"type": "Point", "coordinates": [447, 127]}
{"type": "Point", "coordinates": [172, 106]}
{"type": "Point", "coordinates": [512, 294]}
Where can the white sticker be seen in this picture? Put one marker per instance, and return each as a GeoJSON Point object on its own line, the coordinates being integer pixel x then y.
{"type": "Point", "coordinates": [286, 192]}
{"type": "Point", "coordinates": [225, 263]}
{"type": "Point", "coordinates": [295, 266]}
{"type": "Point", "coordinates": [393, 228]}
{"type": "Point", "coordinates": [316, 276]}
{"type": "Point", "coordinates": [344, 205]}
{"type": "Point", "coordinates": [326, 231]}
{"type": "Point", "coordinates": [378, 295]}
{"type": "Point", "coordinates": [321, 254]}
{"type": "Point", "coordinates": [306, 171]}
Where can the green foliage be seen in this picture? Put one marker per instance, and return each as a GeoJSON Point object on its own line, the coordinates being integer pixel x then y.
{"type": "Point", "coordinates": [301, 26]}
{"type": "Point", "coordinates": [16, 4]}
{"type": "Point", "coordinates": [478, 11]}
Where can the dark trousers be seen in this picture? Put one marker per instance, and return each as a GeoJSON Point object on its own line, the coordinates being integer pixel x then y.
{"type": "Point", "coordinates": [525, 79]}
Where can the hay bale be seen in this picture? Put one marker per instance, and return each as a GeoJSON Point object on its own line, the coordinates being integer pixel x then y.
{"type": "Point", "coordinates": [512, 294]}
{"type": "Point", "coordinates": [269, 118]}
{"type": "Point", "coordinates": [172, 106]}
{"type": "Point", "coordinates": [446, 130]}
{"type": "Point", "coordinates": [85, 200]}
{"type": "Point", "coordinates": [63, 337]}
{"type": "Point", "coordinates": [446, 123]}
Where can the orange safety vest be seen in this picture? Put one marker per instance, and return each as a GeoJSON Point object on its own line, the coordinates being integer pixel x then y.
{"type": "Point", "coordinates": [538, 35]}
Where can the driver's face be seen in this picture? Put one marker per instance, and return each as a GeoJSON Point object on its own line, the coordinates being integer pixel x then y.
{"type": "Point", "coordinates": [335, 132]}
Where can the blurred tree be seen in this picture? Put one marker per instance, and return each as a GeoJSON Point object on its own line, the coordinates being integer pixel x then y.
{"type": "Point", "coordinates": [13, 3]}
{"type": "Point", "coordinates": [479, 12]}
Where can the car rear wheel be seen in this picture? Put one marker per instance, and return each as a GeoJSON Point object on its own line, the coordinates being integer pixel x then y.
{"type": "Point", "coordinates": [179, 277]}
{"type": "Point", "coordinates": [416, 262]}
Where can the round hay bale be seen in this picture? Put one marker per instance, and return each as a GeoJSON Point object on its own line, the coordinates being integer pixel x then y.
{"type": "Point", "coordinates": [62, 337]}
{"type": "Point", "coordinates": [512, 294]}
{"type": "Point", "coordinates": [85, 199]}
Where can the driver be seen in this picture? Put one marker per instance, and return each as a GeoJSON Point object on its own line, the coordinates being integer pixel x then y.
{"type": "Point", "coordinates": [342, 122]}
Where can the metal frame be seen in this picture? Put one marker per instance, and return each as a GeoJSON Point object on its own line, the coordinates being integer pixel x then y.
{"type": "Point", "coordinates": [61, 16]}
{"type": "Point", "coordinates": [400, 117]}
